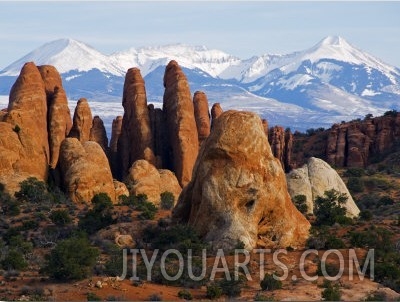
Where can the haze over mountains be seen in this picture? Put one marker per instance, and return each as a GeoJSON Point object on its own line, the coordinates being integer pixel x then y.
{"type": "Point", "coordinates": [329, 82]}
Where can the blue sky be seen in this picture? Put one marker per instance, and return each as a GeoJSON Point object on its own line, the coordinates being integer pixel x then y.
{"type": "Point", "coordinates": [243, 29]}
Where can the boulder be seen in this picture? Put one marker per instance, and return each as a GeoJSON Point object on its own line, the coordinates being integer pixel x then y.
{"type": "Point", "coordinates": [313, 179]}
{"type": "Point", "coordinates": [144, 178]}
{"type": "Point", "coordinates": [238, 190]}
{"type": "Point", "coordinates": [180, 122]}
{"type": "Point", "coordinates": [85, 170]}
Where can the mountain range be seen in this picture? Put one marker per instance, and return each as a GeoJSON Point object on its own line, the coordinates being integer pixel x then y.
{"type": "Point", "coordinates": [327, 83]}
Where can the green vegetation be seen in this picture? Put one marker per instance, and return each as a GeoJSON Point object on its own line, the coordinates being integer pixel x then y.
{"type": "Point", "coordinates": [14, 260]}
{"type": "Point", "coordinates": [180, 237]}
{"type": "Point", "coordinates": [71, 259]}
{"type": "Point", "coordinates": [355, 185]}
{"type": "Point", "coordinates": [100, 216]}
{"type": "Point", "coordinates": [300, 201]}
{"type": "Point", "coordinates": [60, 217]}
{"type": "Point", "coordinates": [33, 190]}
{"type": "Point", "coordinates": [214, 291]}
{"type": "Point", "coordinates": [140, 203]}
{"type": "Point", "coordinates": [270, 283]}
{"type": "Point", "coordinates": [167, 200]}
{"type": "Point", "coordinates": [185, 294]}
{"type": "Point", "coordinates": [92, 297]}
{"type": "Point", "coordinates": [329, 209]}
{"type": "Point", "coordinates": [331, 292]}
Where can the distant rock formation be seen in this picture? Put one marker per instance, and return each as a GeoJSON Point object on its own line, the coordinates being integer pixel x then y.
{"type": "Point", "coordinates": [238, 191]}
{"type": "Point", "coordinates": [85, 170]}
{"type": "Point", "coordinates": [313, 179]}
{"type": "Point", "coordinates": [180, 122]}
{"type": "Point", "coordinates": [24, 147]}
{"type": "Point", "coordinates": [351, 144]}
{"type": "Point", "coordinates": [281, 142]}
{"type": "Point", "coordinates": [59, 116]}
{"type": "Point", "coordinates": [82, 121]}
{"type": "Point", "coordinates": [144, 178]}
{"type": "Point", "coordinates": [202, 115]}
{"type": "Point", "coordinates": [136, 140]}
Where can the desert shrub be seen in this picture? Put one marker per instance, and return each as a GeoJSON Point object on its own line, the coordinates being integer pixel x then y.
{"type": "Point", "coordinates": [366, 215]}
{"type": "Point", "coordinates": [29, 225]}
{"type": "Point", "coordinates": [214, 291]}
{"type": "Point", "coordinates": [114, 265]}
{"type": "Point", "coordinates": [376, 296]}
{"type": "Point", "coordinates": [331, 292]}
{"type": "Point", "coordinates": [19, 244]}
{"type": "Point", "coordinates": [368, 201]}
{"type": "Point", "coordinates": [71, 259]}
{"type": "Point", "coordinates": [300, 201]}
{"type": "Point", "coordinates": [180, 237]}
{"type": "Point", "coordinates": [377, 183]}
{"type": "Point", "coordinates": [33, 190]}
{"type": "Point", "coordinates": [14, 260]}
{"type": "Point", "coordinates": [354, 172]}
{"type": "Point", "coordinates": [355, 185]}
{"type": "Point", "coordinates": [232, 287]}
{"type": "Point", "coordinates": [140, 203]}
{"type": "Point", "coordinates": [167, 200]}
{"type": "Point", "coordinates": [385, 201]}
{"type": "Point", "coordinates": [92, 297]}
{"type": "Point", "coordinates": [330, 209]}
{"type": "Point", "coordinates": [330, 268]}
{"type": "Point", "coordinates": [155, 297]}
{"type": "Point", "coordinates": [60, 217]}
{"type": "Point", "coordinates": [10, 207]}
{"type": "Point", "coordinates": [270, 283]}
{"type": "Point", "coordinates": [185, 294]}
{"type": "Point", "coordinates": [100, 216]}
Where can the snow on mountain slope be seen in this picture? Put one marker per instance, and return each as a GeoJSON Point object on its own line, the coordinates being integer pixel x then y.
{"type": "Point", "coordinates": [149, 58]}
{"type": "Point", "coordinates": [337, 48]}
{"type": "Point", "coordinates": [65, 55]}
{"type": "Point", "coordinates": [329, 82]}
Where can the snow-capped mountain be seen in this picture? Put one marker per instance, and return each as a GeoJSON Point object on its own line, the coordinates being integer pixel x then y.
{"type": "Point", "coordinates": [329, 82]}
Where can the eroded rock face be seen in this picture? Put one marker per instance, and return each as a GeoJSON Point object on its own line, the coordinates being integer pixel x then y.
{"type": "Point", "coordinates": [98, 133]}
{"type": "Point", "coordinates": [82, 121]}
{"type": "Point", "coordinates": [85, 170]}
{"type": "Point", "coordinates": [59, 116]}
{"type": "Point", "coordinates": [313, 179]}
{"type": "Point", "coordinates": [144, 178]}
{"type": "Point", "coordinates": [24, 144]}
{"type": "Point", "coordinates": [136, 140]}
{"type": "Point", "coordinates": [238, 189]}
{"type": "Point", "coordinates": [201, 115]}
{"type": "Point", "coordinates": [182, 131]}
